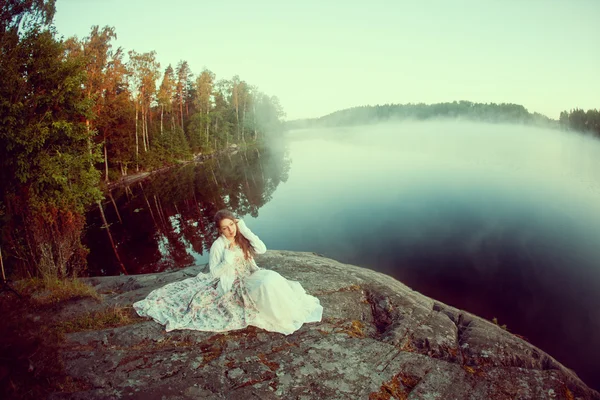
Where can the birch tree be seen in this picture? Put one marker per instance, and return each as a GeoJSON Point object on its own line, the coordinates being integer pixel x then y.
{"type": "Point", "coordinates": [183, 76]}
{"type": "Point", "coordinates": [166, 95]}
{"type": "Point", "coordinates": [143, 72]}
{"type": "Point", "coordinates": [204, 99]}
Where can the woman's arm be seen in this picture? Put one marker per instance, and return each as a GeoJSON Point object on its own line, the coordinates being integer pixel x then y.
{"type": "Point", "coordinates": [221, 264]}
{"type": "Point", "coordinates": [216, 261]}
{"type": "Point", "coordinates": [257, 244]}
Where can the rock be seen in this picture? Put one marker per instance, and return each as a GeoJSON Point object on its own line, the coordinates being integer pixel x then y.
{"type": "Point", "coordinates": [378, 340]}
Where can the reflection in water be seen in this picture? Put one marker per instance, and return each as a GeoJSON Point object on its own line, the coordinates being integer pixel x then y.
{"type": "Point", "coordinates": [165, 222]}
{"type": "Point", "coordinates": [499, 220]}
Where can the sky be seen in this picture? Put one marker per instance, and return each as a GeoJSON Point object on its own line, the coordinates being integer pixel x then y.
{"type": "Point", "coordinates": [320, 56]}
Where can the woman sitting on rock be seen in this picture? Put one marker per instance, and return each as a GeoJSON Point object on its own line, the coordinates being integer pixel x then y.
{"type": "Point", "coordinates": [235, 293]}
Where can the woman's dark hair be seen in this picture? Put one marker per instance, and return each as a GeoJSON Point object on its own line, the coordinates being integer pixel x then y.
{"type": "Point", "coordinates": [240, 239]}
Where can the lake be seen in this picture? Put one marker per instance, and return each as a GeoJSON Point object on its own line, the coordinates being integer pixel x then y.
{"type": "Point", "coordinates": [499, 220]}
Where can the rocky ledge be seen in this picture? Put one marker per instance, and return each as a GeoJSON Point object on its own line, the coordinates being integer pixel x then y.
{"type": "Point", "coordinates": [378, 340]}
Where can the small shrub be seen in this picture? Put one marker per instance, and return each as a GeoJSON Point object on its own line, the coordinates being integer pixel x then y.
{"type": "Point", "coordinates": [53, 290]}
{"type": "Point", "coordinates": [495, 321]}
{"type": "Point", "coordinates": [97, 320]}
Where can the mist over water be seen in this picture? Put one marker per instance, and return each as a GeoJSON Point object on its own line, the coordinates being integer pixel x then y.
{"type": "Point", "coordinates": [500, 220]}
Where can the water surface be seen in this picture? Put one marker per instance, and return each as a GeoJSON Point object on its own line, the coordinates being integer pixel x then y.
{"type": "Point", "coordinates": [499, 220]}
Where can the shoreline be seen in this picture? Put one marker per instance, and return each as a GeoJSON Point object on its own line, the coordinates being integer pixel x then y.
{"type": "Point", "coordinates": [198, 158]}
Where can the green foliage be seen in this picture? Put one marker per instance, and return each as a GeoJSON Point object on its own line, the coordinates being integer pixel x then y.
{"type": "Point", "coordinates": [165, 150]}
{"type": "Point", "coordinates": [24, 15]}
{"type": "Point", "coordinates": [46, 154]}
{"type": "Point", "coordinates": [69, 110]}
{"type": "Point", "coordinates": [582, 121]}
{"type": "Point", "coordinates": [198, 140]}
{"type": "Point", "coordinates": [46, 145]}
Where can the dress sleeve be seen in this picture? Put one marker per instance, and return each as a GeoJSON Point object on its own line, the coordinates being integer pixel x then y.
{"type": "Point", "coordinates": [257, 244]}
{"type": "Point", "coordinates": [222, 266]}
{"type": "Point", "coordinates": [217, 264]}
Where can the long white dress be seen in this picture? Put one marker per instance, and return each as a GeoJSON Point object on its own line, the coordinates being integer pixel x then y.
{"type": "Point", "coordinates": [234, 294]}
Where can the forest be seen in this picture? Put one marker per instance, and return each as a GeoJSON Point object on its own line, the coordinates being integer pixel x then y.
{"type": "Point", "coordinates": [574, 120]}
{"type": "Point", "coordinates": [78, 113]}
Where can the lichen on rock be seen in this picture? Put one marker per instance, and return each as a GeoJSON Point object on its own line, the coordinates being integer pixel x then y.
{"type": "Point", "coordinates": [378, 340]}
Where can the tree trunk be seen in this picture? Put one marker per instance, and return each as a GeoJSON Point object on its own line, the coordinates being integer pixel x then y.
{"type": "Point", "coordinates": [144, 134]}
{"type": "Point", "coordinates": [89, 138]}
{"type": "Point", "coordinates": [214, 177]}
{"type": "Point", "coordinates": [181, 108]}
{"type": "Point", "coordinates": [254, 120]}
{"type": "Point", "coordinates": [112, 199]}
{"type": "Point", "coordinates": [105, 161]}
{"type": "Point", "coordinates": [2, 265]}
{"type": "Point", "coordinates": [146, 129]}
{"type": "Point", "coordinates": [137, 145]}
{"type": "Point", "coordinates": [160, 213]}
{"type": "Point", "coordinates": [243, 121]}
{"type": "Point", "coordinates": [216, 131]}
{"type": "Point", "coordinates": [237, 119]}
{"type": "Point", "coordinates": [207, 124]}
{"type": "Point", "coordinates": [112, 242]}
{"type": "Point", "coordinates": [128, 193]}
{"type": "Point", "coordinates": [162, 110]}
{"type": "Point", "coordinates": [123, 167]}
{"type": "Point", "coordinates": [149, 206]}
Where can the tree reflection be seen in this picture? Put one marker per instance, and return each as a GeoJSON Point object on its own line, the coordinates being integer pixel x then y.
{"type": "Point", "coordinates": [165, 222]}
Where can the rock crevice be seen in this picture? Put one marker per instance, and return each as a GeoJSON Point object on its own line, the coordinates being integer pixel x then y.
{"type": "Point", "coordinates": [378, 340]}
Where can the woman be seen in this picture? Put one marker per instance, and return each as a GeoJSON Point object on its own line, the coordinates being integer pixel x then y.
{"type": "Point", "coordinates": [235, 293]}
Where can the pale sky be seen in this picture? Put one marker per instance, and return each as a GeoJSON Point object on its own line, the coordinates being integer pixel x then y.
{"type": "Point", "coordinates": [323, 56]}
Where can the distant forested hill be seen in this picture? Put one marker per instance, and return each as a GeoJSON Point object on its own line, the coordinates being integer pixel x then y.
{"type": "Point", "coordinates": [489, 112]}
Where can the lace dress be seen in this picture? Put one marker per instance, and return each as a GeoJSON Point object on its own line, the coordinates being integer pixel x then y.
{"type": "Point", "coordinates": [234, 294]}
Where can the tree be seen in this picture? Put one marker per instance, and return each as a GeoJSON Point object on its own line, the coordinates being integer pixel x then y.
{"type": "Point", "coordinates": [222, 113]}
{"type": "Point", "coordinates": [204, 100]}
{"type": "Point", "coordinates": [245, 101]}
{"type": "Point", "coordinates": [143, 70]}
{"type": "Point", "coordinates": [114, 122]}
{"type": "Point", "coordinates": [251, 123]}
{"type": "Point", "coordinates": [234, 100]}
{"type": "Point", "coordinates": [580, 120]}
{"type": "Point", "coordinates": [166, 95]}
{"type": "Point", "coordinates": [105, 81]}
{"type": "Point", "coordinates": [268, 114]}
{"type": "Point", "coordinates": [184, 75]}
{"type": "Point", "coordinates": [24, 15]}
{"type": "Point", "coordinates": [46, 164]}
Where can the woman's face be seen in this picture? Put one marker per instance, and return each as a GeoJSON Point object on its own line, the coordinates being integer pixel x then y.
{"type": "Point", "coordinates": [227, 228]}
